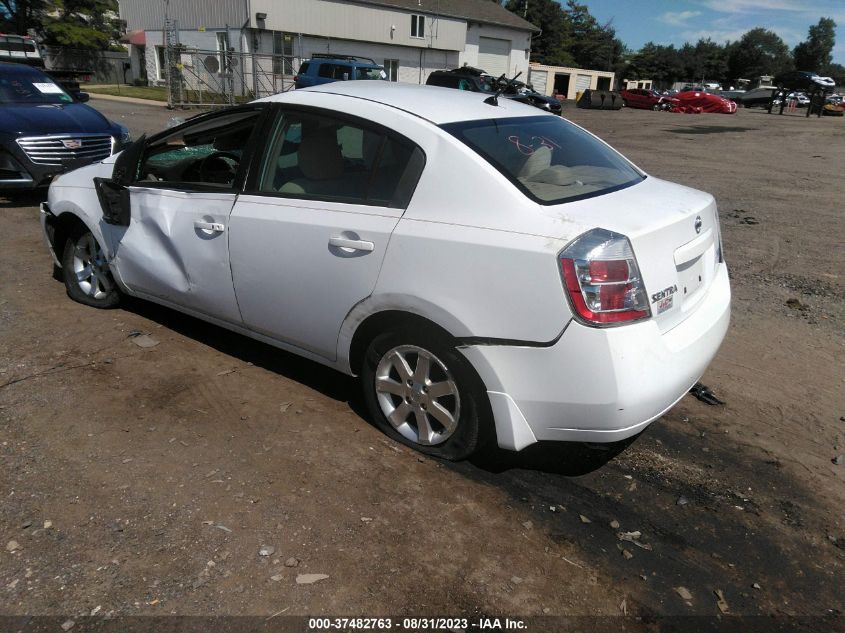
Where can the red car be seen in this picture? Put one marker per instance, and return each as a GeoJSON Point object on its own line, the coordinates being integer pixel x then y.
{"type": "Point", "coordinates": [645, 99]}
{"type": "Point", "coordinates": [695, 101]}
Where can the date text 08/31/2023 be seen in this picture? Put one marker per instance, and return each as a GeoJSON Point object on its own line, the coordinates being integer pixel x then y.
{"type": "Point", "coordinates": [415, 624]}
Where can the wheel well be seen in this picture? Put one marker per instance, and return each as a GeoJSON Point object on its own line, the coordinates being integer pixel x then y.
{"type": "Point", "coordinates": [381, 322]}
{"type": "Point", "coordinates": [62, 228]}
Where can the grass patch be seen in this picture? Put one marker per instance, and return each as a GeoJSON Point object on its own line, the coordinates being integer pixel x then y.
{"type": "Point", "coordinates": [159, 93]}
{"type": "Point", "coordinates": [153, 93]}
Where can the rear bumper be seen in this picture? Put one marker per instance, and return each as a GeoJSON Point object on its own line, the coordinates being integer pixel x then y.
{"type": "Point", "coordinates": [600, 385]}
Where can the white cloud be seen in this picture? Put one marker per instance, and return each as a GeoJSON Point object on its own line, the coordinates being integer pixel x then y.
{"type": "Point", "coordinates": [750, 6]}
{"type": "Point", "coordinates": [717, 35]}
{"type": "Point", "coordinates": [678, 18]}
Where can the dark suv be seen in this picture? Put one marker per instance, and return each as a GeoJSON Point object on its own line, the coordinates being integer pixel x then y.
{"type": "Point", "coordinates": [476, 80]}
{"type": "Point", "coordinates": [44, 132]}
{"type": "Point", "coordinates": [323, 69]}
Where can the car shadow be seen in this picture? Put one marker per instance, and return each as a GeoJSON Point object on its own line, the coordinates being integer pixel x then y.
{"type": "Point", "coordinates": [561, 458]}
{"type": "Point", "coordinates": [325, 380]}
{"type": "Point", "coordinates": [22, 198]}
{"type": "Point", "coordinates": [570, 459]}
{"type": "Point", "coordinates": [666, 513]}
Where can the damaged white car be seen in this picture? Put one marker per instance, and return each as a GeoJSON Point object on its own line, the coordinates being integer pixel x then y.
{"type": "Point", "coordinates": [493, 274]}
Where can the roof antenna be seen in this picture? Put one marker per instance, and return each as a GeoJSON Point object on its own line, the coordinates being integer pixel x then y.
{"type": "Point", "coordinates": [494, 98]}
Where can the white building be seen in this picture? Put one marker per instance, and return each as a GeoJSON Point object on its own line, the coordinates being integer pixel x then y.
{"type": "Point", "coordinates": [568, 82]}
{"type": "Point", "coordinates": [410, 38]}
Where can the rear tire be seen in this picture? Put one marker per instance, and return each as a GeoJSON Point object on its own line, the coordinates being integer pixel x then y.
{"type": "Point", "coordinates": [422, 392]}
{"type": "Point", "coordinates": [87, 276]}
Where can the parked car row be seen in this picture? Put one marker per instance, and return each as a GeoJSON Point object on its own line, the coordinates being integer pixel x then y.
{"type": "Point", "coordinates": [689, 101]}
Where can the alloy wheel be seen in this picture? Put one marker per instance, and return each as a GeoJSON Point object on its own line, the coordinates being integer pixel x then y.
{"type": "Point", "coordinates": [417, 394]}
{"type": "Point", "coordinates": [90, 268]}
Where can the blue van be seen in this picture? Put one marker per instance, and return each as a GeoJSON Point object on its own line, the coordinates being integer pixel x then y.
{"type": "Point", "coordinates": [323, 69]}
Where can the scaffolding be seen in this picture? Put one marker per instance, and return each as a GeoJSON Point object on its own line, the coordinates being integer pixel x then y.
{"type": "Point", "coordinates": [214, 78]}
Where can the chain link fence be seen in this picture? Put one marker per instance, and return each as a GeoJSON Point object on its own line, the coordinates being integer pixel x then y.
{"type": "Point", "coordinates": [216, 78]}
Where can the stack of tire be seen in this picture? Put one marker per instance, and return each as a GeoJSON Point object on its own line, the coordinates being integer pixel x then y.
{"type": "Point", "coordinates": [600, 100]}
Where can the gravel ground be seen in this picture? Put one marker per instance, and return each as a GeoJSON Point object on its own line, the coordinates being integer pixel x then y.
{"type": "Point", "coordinates": [145, 481]}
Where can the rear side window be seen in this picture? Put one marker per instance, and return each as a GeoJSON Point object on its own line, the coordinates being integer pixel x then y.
{"type": "Point", "coordinates": [320, 157]}
{"type": "Point", "coordinates": [326, 70]}
{"type": "Point", "coordinates": [304, 68]}
{"type": "Point", "coordinates": [443, 80]}
{"type": "Point", "coordinates": [550, 160]}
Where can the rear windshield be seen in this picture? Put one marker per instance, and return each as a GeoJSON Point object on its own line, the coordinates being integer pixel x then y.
{"type": "Point", "coordinates": [370, 73]}
{"type": "Point", "coordinates": [547, 158]}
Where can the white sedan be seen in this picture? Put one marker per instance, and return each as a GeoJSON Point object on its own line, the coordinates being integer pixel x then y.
{"type": "Point", "coordinates": [492, 274]}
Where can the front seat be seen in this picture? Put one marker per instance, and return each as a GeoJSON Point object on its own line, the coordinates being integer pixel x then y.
{"type": "Point", "coordinates": [321, 164]}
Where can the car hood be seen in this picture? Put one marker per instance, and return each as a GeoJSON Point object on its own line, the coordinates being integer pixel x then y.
{"type": "Point", "coordinates": [35, 120]}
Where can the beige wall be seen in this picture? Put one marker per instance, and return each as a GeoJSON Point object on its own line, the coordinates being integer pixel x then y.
{"type": "Point", "coordinates": [573, 73]}
{"type": "Point", "coordinates": [632, 84]}
{"type": "Point", "coordinates": [349, 21]}
{"type": "Point", "coordinates": [520, 45]}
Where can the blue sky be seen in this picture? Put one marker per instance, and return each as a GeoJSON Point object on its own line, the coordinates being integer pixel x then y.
{"type": "Point", "coordinates": [678, 21]}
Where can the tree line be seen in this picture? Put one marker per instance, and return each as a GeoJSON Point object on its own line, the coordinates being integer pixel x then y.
{"type": "Point", "coordinates": [81, 24]}
{"type": "Point", "coordinates": [571, 36]}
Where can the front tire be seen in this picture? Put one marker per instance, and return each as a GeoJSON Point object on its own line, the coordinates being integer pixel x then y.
{"type": "Point", "coordinates": [422, 392]}
{"type": "Point", "coordinates": [87, 276]}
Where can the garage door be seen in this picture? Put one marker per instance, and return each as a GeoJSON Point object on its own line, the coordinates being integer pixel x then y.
{"type": "Point", "coordinates": [538, 79]}
{"type": "Point", "coordinates": [494, 55]}
{"type": "Point", "coordinates": [582, 82]}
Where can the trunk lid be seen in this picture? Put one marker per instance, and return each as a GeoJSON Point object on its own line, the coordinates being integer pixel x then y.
{"type": "Point", "coordinates": [674, 232]}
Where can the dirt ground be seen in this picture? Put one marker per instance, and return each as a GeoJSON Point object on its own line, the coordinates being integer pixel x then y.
{"type": "Point", "coordinates": [144, 481]}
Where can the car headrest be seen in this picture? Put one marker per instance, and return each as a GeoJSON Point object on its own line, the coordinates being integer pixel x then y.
{"type": "Point", "coordinates": [319, 154]}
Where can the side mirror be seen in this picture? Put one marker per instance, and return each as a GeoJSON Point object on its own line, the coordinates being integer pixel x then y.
{"type": "Point", "coordinates": [82, 97]}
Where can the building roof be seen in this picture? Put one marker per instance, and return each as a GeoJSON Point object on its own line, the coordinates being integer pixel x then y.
{"type": "Point", "coordinates": [473, 10]}
{"type": "Point", "coordinates": [438, 105]}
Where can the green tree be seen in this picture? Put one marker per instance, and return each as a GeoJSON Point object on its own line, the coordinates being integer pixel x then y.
{"type": "Point", "coordinates": [758, 52]}
{"type": "Point", "coordinates": [19, 16]}
{"type": "Point", "coordinates": [591, 44]}
{"type": "Point", "coordinates": [816, 52]}
{"type": "Point", "coordinates": [84, 24]}
{"type": "Point", "coordinates": [712, 60]}
{"type": "Point", "coordinates": [659, 63]}
{"type": "Point", "coordinates": [570, 36]}
{"type": "Point", "coordinates": [548, 46]}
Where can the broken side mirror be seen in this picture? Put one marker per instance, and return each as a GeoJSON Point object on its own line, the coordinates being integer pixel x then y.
{"type": "Point", "coordinates": [112, 192]}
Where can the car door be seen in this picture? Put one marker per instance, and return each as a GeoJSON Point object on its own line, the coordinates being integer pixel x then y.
{"type": "Point", "coordinates": [173, 245]}
{"type": "Point", "coordinates": [307, 238]}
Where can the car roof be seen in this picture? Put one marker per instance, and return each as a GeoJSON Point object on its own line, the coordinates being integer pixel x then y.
{"type": "Point", "coordinates": [435, 104]}
{"type": "Point", "coordinates": [11, 67]}
{"type": "Point", "coordinates": [342, 60]}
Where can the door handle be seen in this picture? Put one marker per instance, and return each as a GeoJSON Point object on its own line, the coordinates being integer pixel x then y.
{"type": "Point", "coordinates": [214, 227]}
{"type": "Point", "coordinates": [353, 245]}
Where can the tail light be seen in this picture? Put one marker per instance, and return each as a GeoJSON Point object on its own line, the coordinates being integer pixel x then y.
{"type": "Point", "coordinates": [602, 279]}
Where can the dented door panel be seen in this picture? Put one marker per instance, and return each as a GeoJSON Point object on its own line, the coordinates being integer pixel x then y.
{"type": "Point", "coordinates": [176, 249]}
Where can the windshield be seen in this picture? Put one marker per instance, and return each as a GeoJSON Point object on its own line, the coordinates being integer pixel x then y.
{"type": "Point", "coordinates": [27, 85]}
{"type": "Point", "coordinates": [486, 84]}
{"type": "Point", "coordinates": [371, 73]}
{"type": "Point", "coordinates": [547, 158]}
